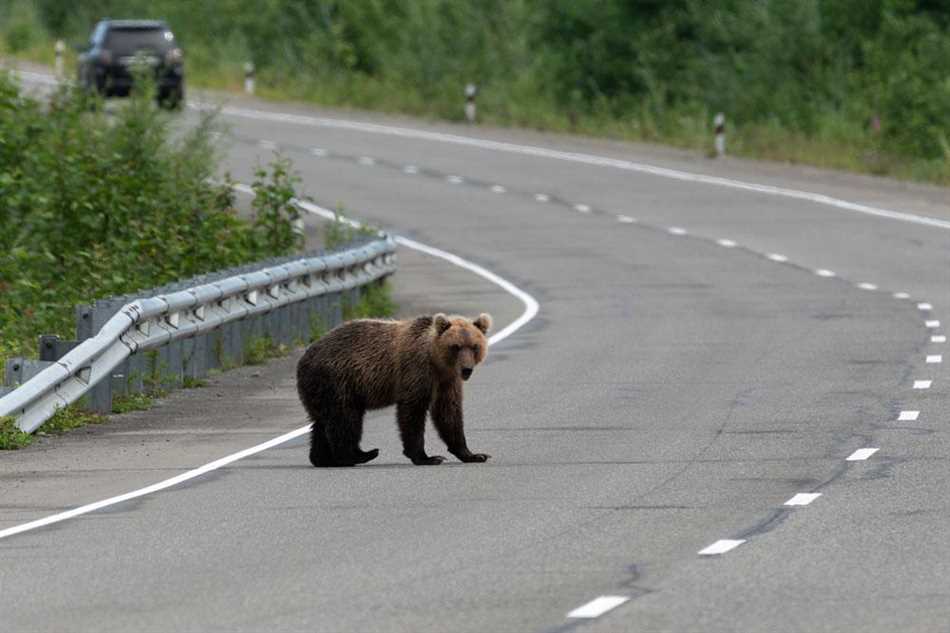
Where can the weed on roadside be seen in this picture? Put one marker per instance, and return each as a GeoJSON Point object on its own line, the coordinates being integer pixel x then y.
{"type": "Point", "coordinates": [11, 437]}
{"type": "Point", "coordinates": [132, 402]}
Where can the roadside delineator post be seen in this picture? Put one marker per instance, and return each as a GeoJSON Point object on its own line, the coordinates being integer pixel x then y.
{"type": "Point", "coordinates": [249, 78]}
{"type": "Point", "coordinates": [59, 48]}
{"type": "Point", "coordinates": [470, 91]}
{"type": "Point", "coordinates": [719, 123]}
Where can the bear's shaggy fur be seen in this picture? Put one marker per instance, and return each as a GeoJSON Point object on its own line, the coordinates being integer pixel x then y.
{"type": "Point", "coordinates": [417, 364]}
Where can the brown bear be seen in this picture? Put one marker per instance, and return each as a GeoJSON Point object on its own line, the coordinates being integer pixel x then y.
{"type": "Point", "coordinates": [417, 364]}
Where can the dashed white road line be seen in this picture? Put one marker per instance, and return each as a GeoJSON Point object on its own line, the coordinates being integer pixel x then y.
{"type": "Point", "coordinates": [726, 243]}
{"type": "Point", "coordinates": [802, 499]}
{"type": "Point", "coordinates": [824, 272]}
{"type": "Point", "coordinates": [861, 454]}
{"type": "Point", "coordinates": [776, 257]}
{"type": "Point", "coordinates": [455, 180]}
{"type": "Point", "coordinates": [932, 324]}
{"type": "Point", "coordinates": [367, 160]}
{"type": "Point", "coordinates": [938, 338]}
{"type": "Point", "coordinates": [721, 547]}
{"type": "Point", "coordinates": [597, 607]}
{"type": "Point", "coordinates": [924, 307]}
{"type": "Point", "coordinates": [576, 157]}
{"type": "Point", "coordinates": [542, 197]}
{"type": "Point", "coordinates": [531, 309]}
{"type": "Point", "coordinates": [582, 208]}
{"type": "Point", "coordinates": [410, 169]}
{"type": "Point", "coordinates": [901, 295]}
{"type": "Point", "coordinates": [867, 286]}
{"type": "Point", "coordinates": [908, 416]}
{"type": "Point", "coordinates": [922, 384]}
{"type": "Point", "coordinates": [498, 189]}
{"type": "Point", "coordinates": [319, 152]}
{"type": "Point", "coordinates": [676, 230]}
{"type": "Point", "coordinates": [626, 219]}
{"type": "Point", "coordinates": [935, 358]}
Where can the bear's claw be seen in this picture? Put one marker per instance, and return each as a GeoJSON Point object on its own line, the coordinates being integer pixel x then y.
{"type": "Point", "coordinates": [432, 460]}
{"type": "Point", "coordinates": [477, 458]}
{"type": "Point", "coordinates": [367, 456]}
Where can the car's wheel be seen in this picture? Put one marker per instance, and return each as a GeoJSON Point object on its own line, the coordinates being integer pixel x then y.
{"type": "Point", "coordinates": [172, 98]}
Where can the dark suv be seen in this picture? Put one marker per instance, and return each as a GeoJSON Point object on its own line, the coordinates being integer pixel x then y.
{"type": "Point", "coordinates": [116, 47]}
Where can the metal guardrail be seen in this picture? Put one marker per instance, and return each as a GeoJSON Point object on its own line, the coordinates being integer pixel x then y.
{"type": "Point", "coordinates": [276, 293]}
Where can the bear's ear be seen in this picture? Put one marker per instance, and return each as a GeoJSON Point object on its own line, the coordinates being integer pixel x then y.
{"type": "Point", "coordinates": [483, 322]}
{"type": "Point", "coordinates": [441, 323]}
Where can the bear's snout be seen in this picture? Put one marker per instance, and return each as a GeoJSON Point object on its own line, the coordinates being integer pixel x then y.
{"type": "Point", "coordinates": [466, 373]}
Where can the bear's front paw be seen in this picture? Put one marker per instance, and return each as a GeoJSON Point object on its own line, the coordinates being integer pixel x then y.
{"type": "Point", "coordinates": [432, 460]}
{"type": "Point", "coordinates": [476, 458]}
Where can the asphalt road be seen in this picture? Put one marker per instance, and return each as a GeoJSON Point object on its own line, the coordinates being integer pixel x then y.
{"type": "Point", "coordinates": [673, 391]}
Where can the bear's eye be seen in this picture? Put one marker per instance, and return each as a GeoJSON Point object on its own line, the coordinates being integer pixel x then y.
{"type": "Point", "coordinates": [456, 348]}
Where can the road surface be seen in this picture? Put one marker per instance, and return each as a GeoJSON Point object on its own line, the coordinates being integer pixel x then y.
{"type": "Point", "coordinates": [710, 346]}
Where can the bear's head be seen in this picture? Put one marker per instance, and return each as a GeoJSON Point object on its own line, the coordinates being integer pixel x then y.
{"type": "Point", "coordinates": [460, 343]}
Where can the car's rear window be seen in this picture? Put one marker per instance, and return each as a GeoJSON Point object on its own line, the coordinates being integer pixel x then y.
{"type": "Point", "coordinates": [128, 41]}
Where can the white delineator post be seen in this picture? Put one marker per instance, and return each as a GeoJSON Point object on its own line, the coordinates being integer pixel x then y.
{"type": "Point", "coordinates": [249, 78]}
{"type": "Point", "coordinates": [719, 123]}
{"type": "Point", "coordinates": [59, 48]}
{"type": "Point", "coordinates": [470, 91]}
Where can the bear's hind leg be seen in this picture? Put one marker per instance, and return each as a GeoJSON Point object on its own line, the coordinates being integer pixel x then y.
{"type": "Point", "coordinates": [344, 433]}
{"type": "Point", "coordinates": [320, 454]}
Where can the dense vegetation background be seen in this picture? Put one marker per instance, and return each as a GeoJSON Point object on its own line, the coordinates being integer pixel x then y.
{"type": "Point", "coordinates": [860, 84]}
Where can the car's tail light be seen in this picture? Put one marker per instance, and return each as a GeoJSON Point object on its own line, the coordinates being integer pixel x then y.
{"type": "Point", "coordinates": [174, 56]}
{"type": "Point", "coordinates": [105, 56]}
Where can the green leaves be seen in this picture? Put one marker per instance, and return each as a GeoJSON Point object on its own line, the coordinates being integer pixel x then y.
{"type": "Point", "coordinates": [93, 205]}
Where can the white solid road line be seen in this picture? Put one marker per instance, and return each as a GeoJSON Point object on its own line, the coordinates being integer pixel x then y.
{"type": "Point", "coordinates": [802, 498]}
{"type": "Point", "coordinates": [721, 547]}
{"type": "Point", "coordinates": [861, 454]}
{"type": "Point", "coordinates": [162, 485]}
{"type": "Point", "coordinates": [908, 416]}
{"type": "Point", "coordinates": [531, 309]}
{"type": "Point", "coordinates": [576, 157]}
{"type": "Point", "coordinates": [597, 607]}
{"type": "Point", "coordinates": [922, 384]}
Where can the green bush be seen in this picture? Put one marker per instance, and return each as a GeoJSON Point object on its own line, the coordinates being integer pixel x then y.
{"type": "Point", "coordinates": [95, 204]}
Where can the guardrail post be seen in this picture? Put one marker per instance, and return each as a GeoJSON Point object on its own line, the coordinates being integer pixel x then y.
{"type": "Point", "coordinates": [100, 396]}
{"type": "Point", "coordinates": [249, 78]}
{"type": "Point", "coordinates": [52, 348]}
{"type": "Point", "coordinates": [59, 49]}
